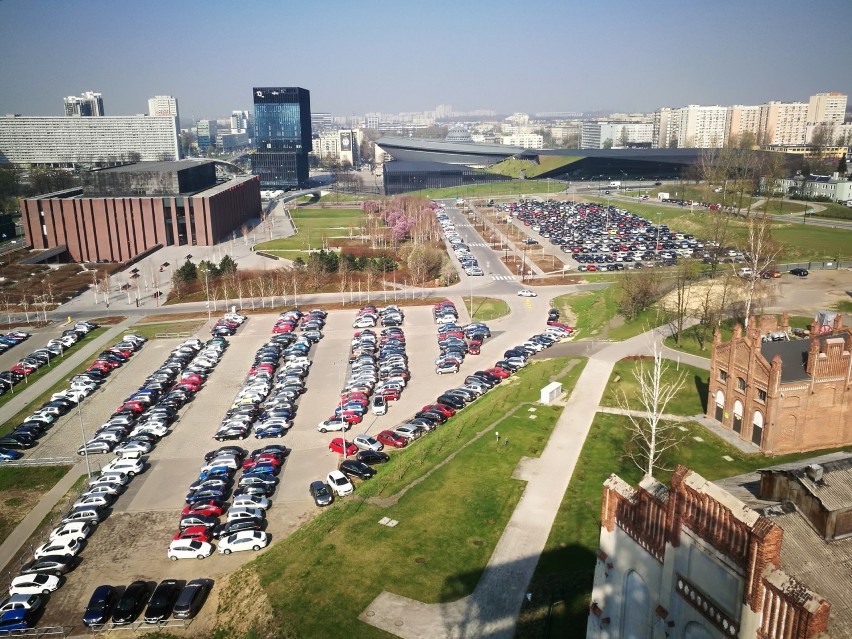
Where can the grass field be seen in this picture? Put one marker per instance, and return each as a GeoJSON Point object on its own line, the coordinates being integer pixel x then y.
{"type": "Point", "coordinates": [688, 401]}
{"type": "Point", "coordinates": [565, 572]}
{"type": "Point", "coordinates": [44, 370]}
{"type": "Point", "coordinates": [448, 526]}
{"type": "Point", "coordinates": [689, 342]}
{"type": "Point", "coordinates": [801, 242]}
{"type": "Point", "coordinates": [513, 167]}
{"type": "Point", "coordinates": [20, 490]}
{"type": "Point", "coordinates": [486, 308]}
{"type": "Point", "coordinates": [315, 227]}
{"type": "Point", "coordinates": [150, 331]}
{"type": "Point", "coordinates": [493, 189]}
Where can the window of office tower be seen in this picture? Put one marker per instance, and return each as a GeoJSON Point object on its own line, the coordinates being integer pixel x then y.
{"type": "Point", "coordinates": [278, 122]}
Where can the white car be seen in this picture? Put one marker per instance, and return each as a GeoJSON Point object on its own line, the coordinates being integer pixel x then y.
{"type": "Point", "coordinates": [134, 446]}
{"type": "Point", "coordinates": [131, 467]}
{"type": "Point", "coordinates": [189, 549]}
{"type": "Point", "coordinates": [332, 425]}
{"type": "Point", "coordinates": [525, 292]}
{"type": "Point", "coordinates": [252, 501]}
{"type": "Point", "coordinates": [409, 432]}
{"type": "Point", "coordinates": [68, 547]}
{"type": "Point", "coordinates": [244, 512]}
{"type": "Point", "coordinates": [366, 442]}
{"type": "Point", "coordinates": [447, 367]}
{"type": "Point", "coordinates": [103, 499]}
{"type": "Point", "coordinates": [229, 461]}
{"type": "Point", "coordinates": [365, 321]}
{"type": "Point", "coordinates": [157, 429]}
{"type": "Point", "coordinates": [339, 483]}
{"type": "Point", "coordinates": [37, 584]}
{"type": "Point", "coordinates": [72, 530]}
{"type": "Point", "coordinates": [244, 540]}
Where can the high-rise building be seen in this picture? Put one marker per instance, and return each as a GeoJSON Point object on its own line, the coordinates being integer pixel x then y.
{"type": "Point", "coordinates": [827, 108]}
{"type": "Point", "coordinates": [616, 135]}
{"type": "Point", "coordinates": [206, 132]}
{"type": "Point", "coordinates": [90, 104]}
{"type": "Point", "coordinates": [742, 120]}
{"type": "Point", "coordinates": [282, 141]}
{"type": "Point", "coordinates": [784, 122]}
{"type": "Point", "coordinates": [321, 122]}
{"type": "Point", "coordinates": [164, 105]}
{"type": "Point", "coordinates": [239, 122]}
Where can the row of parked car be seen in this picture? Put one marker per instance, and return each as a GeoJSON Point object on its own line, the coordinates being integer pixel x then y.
{"type": "Point", "coordinates": [138, 423]}
{"type": "Point", "coordinates": [267, 400]}
{"type": "Point", "coordinates": [26, 434]}
{"type": "Point", "coordinates": [468, 262]}
{"type": "Point", "coordinates": [227, 326]}
{"type": "Point", "coordinates": [12, 339]}
{"type": "Point", "coordinates": [370, 316]}
{"type": "Point", "coordinates": [454, 341]}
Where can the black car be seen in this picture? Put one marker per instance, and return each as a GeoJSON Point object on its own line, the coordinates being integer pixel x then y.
{"type": "Point", "coordinates": [100, 606]}
{"type": "Point", "coordinates": [321, 493]}
{"type": "Point", "coordinates": [131, 602]}
{"type": "Point", "coordinates": [191, 598]}
{"type": "Point", "coordinates": [223, 530]}
{"type": "Point", "coordinates": [355, 468]}
{"type": "Point", "coordinates": [260, 490]}
{"type": "Point", "coordinates": [278, 449]}
{"type": "Point", "coordinates": [208, 521]}
{"type": "Point", "coordinates": [432, 416]}
{"type": "Point", "coordinates": [372, 457]}
{"type": "Point", "coordinates": [162, 601]}
{"type": "Point", "coordinates": [799, 272]}
{"type": "Point", "coordinates": [17, 442]}
{"type": "Point", "coordinates": [451, 400]}
{"type": "Point", "coordinates": [236, 451]}
{"type": "Point", "coordinates": [50, 564]}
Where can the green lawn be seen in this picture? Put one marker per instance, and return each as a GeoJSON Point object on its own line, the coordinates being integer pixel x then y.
{"type": "Point", "coordinates": [844, 307]}
{"type": "Point", "coordinates": [689, 342]}
{"type": "Point", "coordinates": [688, 401]}
{"type": "Point", "coordinates": [513, 187]}
{"type": "Point", "coordinates": [150, 331]}
{"type": "Point", "coordinates": [566, 569]}
{"type": "Point", "coordinates": [20, 490]}
{"type": "Point", "coordinates": [593, 309]}
{"type": "Point", "coordinates": [801, 242]}
{"type": "Point", "coordinates": [44, 370]}
{"type": "Point", "coordinates": [448, 526]}
{"type": "Point", "coordinates": [830, 210]}
{"type": "Point", "coordinates": [486, 308]}
{"type": "Point", "coordinates": [316, 226]}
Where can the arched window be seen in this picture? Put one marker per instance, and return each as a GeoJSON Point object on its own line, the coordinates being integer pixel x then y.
{"type": "Point", "coordinates": [636, 613]}
{"type": "Point", "coordinates": [720, 405]}
{"type": "Point", "coordinates": [694, 630]}
{"type": "Point", "coordinates": [741, 384]}
{"type": "Point", "coordinates": [738, 417]}
{"type": "Point", "coordinates": [757, 428]}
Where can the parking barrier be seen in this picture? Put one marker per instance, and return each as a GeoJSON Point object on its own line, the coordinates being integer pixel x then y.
{"type": "Point", "coordinates": [41, 461]}
{"type": "Point", "coordinates": [172, 335]}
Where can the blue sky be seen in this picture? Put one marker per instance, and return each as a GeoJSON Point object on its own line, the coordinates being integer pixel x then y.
{"type": "Point", "coordinates": [391, 56]}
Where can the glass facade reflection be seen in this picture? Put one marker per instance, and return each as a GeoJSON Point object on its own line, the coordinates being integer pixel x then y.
{"type": "Point", "coordinates": [282, 120]}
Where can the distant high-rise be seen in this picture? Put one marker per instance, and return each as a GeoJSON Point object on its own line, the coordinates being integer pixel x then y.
{"type": "Point", "coordinates": [828, 108]}
{"type": "Point", "coordinates": [164, 105]}
{"type": "Point", "coordinates": [206, 131]}
{"type": "Point", "coordinates": [239, 121]}
{"type": "Point", "coordinates": [282, 140]}
{"type": "Point", "coordinates": [90, 104]}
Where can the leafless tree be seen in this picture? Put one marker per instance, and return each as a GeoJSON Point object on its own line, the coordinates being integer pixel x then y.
{"type": "Point", "coordinates": [651, 436]}
{"type": "Point", "coordinates": [245, 230]}
{"type": "Point", "coordinates": [685, 274]}
{"type": "Point", "coordinates": [25, 306]}
{"type": "Point", "coordinates": [639, 289]}
{"type": "Point", "coordinates": [711, 308]}
{"type": "Point", "coordinates": [759, 252]}
{"type": "Point", "coordinates": [251, 290]}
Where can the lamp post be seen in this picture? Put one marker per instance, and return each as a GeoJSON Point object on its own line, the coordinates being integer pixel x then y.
{"type": "Point", "coordinates": [83, 437]}
{"type": "Point", "coordinates": [207, 292]}
{"type": "Point", "coordinates": [340, 365]}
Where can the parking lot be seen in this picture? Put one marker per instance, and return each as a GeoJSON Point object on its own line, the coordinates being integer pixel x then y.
{"type": "Point", "coordinates": [131, 543]}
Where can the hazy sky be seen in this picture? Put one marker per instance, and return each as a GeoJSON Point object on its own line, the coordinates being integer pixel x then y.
{"type": "Point", "coordinates": [400, 55]}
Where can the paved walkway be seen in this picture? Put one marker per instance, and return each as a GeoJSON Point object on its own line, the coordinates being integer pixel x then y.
{"type": "Point", "coordinates": [492, 610]}
{"type": "Point", "coordinates": [23, 531]}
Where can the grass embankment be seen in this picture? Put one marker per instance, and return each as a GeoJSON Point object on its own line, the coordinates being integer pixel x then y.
{"type": "Point", "coordinates": [150, 331]}
{"type": "Point", "coordinates": [800, 242]}
{"type": "Point", "coordinates": [20, 490]}
{"type": "Point", "coordinates": [448, 526]}
{"type": "Point", "coordinates": [486, 308]}
{"type": "Point", "coordinates": [689, 342]}
{"type": "Point", "coordinates": [689, 400]}
{"type": "Point", "coordinates": [512, 167]}
{"type": "Point", "coordinates": [493, 189]}
{"type": "Point", "coordinates": [47, 368]}
{"type": "Point", "coordinates": [563, 580]}
{"type": "Point", "coordinates": [830, 210]}
{"type": "Point", "coordinates": [597, 314]}
{"type": "Point", "coordinates": [316, 226]}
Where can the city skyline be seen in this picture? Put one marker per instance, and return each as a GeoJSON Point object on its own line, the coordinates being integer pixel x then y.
{"type": "Point", "coordinates": [381, 56]}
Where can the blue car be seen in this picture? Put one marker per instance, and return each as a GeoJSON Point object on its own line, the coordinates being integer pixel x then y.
{"type": "Point", "coordinates": [18, 619]}
{"type": "Point", "coordinates": [10, 455]}
{"type": "Point", "coordinates": [269, 431]}
{"type": "Point", "coordinates": [100, 606]}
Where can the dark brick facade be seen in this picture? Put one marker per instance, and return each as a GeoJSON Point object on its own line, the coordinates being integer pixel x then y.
{"type": "Point", "coordinates": [795, 402]}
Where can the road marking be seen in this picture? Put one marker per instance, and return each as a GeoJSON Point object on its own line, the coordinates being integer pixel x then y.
{"type": "Point", "coordinates": [505, 278]}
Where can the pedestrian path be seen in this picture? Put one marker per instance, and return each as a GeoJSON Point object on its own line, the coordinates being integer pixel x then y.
{"type": "Point", "coordinates": [505, 278]}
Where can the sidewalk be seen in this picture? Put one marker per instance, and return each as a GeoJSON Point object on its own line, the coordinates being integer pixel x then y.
{"type": "Point", "coordinates": [23, 531]}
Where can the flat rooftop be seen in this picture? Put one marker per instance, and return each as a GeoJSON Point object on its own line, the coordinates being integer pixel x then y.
{"type": "Point", "coordinates": [169, 166]}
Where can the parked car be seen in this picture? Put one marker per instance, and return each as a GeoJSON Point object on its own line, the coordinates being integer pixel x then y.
{"type": "Point", "coordinates": [799, 272]}
{"type": "Point", "coordinates": [189, 549]}
{"type": "Point", "coordinates": [336, 446]}
{"type": "Point", "coordinates": [34, 584]}
{"type": "Point", "coordinates": [339, 483]}
{"type": "Point", "coordinates": [131, 602]}
{"type": "Point", "coordinates": [355, 468]}
{"type": "Point", "coordinates": [162, 601]}
{"type": "Point", "coordinates": [392, 439]}
{"type": "Point", "coordinates": [100, 606]}
{"type": "Point", "coordinates": [56, 565]}
{"type": "Point", "coordinates": [245, 540]}
{"type": "Point", "coordinates": [191, 599]}
{"type": "Point", "coordinates": [321, 493]}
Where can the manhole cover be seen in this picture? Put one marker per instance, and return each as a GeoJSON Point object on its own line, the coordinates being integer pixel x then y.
{"type": "Point", "coordinates": [477, 542]}
{"type": "Point", "coordinates": [398, 623]}
{"type": "Point", "coordinates": [371, 613]}
{"type": "Point", "coordinates": [420, 560]}
{"type": "Point", "coordinates": [490, 521]}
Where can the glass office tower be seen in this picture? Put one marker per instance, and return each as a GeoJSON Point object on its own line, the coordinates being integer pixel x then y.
{"type": "Point", "coordinates": [282, 134]}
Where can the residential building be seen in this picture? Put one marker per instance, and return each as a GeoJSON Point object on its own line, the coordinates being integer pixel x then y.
{"type": "Point", "coordinates": [282, 121]}
{"type": "Point", "coordinates": [524, 140]}
{"type": "Point", "coordinates": [90, 104]}
{"type": "Point", "coordinates": [784, 122]}
{"type": "Point", "coordinates": [742, 120]}
{"type": "Point", "coordinates": [206, 133]}
{"type": "Point", "coordinates": [164, 106]}
{"type": "Point", "coordinates": [833, 187]}
{"type": "Point", "coordinates": [321, 122]}
{"type": "Point", "coordinates": [616, 135]}
{"type": "Point", "coordinates": [663, 135]}
{"type": "Point", "coordinates": [342, 145]}
{"type": "Point", "coordinates": [827, 108]}
{"type": "Point", "coordinates": [123, 211]}
{"type": "Point", "coordinates": [702, 127]}
{"type": "Point", "coordinates": [784, 396]}
{"type": "Point", "coordinates": [76, 140]}
{"type": "Point", "coordinates": [694, 561]}
{"type": "Point", "coordinates": [232, 141]}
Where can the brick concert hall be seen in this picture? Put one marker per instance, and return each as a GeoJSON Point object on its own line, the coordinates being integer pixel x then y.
{"type": "Point", "coordinates": [123, 211]}
{"type": "Point", "coordinates": [784, 395]}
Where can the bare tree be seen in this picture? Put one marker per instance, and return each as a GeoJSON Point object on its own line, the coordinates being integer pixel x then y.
{"type": "Point", "coordinates": [685, 275]}
{"type": "Point", "coordinates": [759, 253]}
{"type": "Point", "coordinates": [650, 435]}
{"type": "Point", "coordinates": [25, 306]}
{"type": "Point", "coordinates": [245, 230]}
{"type": "Point", "coordinates": [639, 289]}
{"type": "Point", "coordinates": [711, 308]}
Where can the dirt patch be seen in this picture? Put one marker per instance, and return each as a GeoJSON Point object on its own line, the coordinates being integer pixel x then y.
{"type": "Point", "coordinates": [245, 607]}
{"type": "Point", "coordinates": [14, 506]}
{"type": "Point", "coordinates": [172, 317]}
{"type": "Point", "coordinates": [112, 320]}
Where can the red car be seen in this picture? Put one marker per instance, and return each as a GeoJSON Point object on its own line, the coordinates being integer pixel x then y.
{"type": "Point", "coordinates": [355, 397]}
{"type": "Point", "coordinates": [336, 446]}
{"type": "Point", "coordinates": [390, 394]}
{"type": "Point", "coordinates": [197, 533]}
{"type": "Point", "coordinates": [446, 411]}
{"type": "Point", "coordinates": [392, 439]}
{"type": "Point", "coordinates": [192, 378]}
{"type": "Point", "coordinates": [121, 351]}
{"type": "Point", "coordinates": [134, 407]}
{"type": "Point", "coordinates": [473, 347]}
{"type": "Point", "coordinates": [349, 417]}
{"type": "Point", "coordinates": [502, 373]}
{"type": "Point", "coordinates": [211, 507]}
{"type": "Point", "coordinates": [263, 458]}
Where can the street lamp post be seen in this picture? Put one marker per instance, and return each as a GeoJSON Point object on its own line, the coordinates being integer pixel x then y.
{"type": "Point", "coordinates": [340, 365]}
{"type": "Point", "coordinates": [83, 436]}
